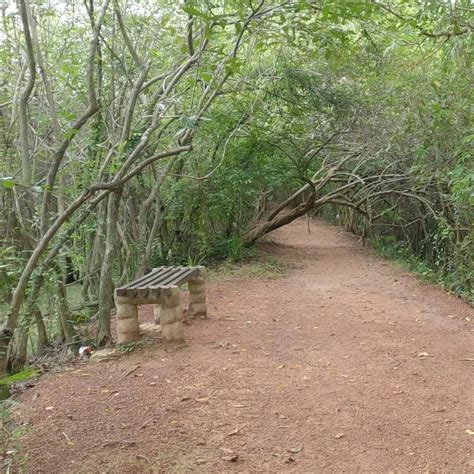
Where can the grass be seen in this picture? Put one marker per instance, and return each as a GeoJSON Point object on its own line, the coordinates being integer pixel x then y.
{"type": "Point", "coordinates": [262, 266]}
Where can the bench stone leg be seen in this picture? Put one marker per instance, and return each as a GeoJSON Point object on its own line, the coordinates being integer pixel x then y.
{"type": "Point", "coordinates": [127, 321]}
{"type": "Point", "coordinates": [171, 316]}
{"type": "Point", "coordinates": [197, 295]}
{"type": "Point", "coordinates": [157, 312]}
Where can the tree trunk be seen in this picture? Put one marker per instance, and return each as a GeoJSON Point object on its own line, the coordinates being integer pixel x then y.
{"type": "Point", "coordinates": [42, 341]}
{"type": "Point", "coordinates": [19, 349]}
{"type": "Point", "coordinates": [106, 287]}
{"type": "Point", "coordinates": [91, 275]}
{"type": "Point", "coordinates": [279, 221]}
{"type": "Point", "coordinates": [26, 168]}
{"type": "Point", "coordinates": [5, 337]}
{"type": "Point", "coordinates": [65, 317]}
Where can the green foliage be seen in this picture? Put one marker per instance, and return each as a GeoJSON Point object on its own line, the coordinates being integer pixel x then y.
{"type": "Point", "coordinates": [26, 374]}
{"type": "Point", "coordinates": [10, 266]}
{"type": "Point", "coordinates": [13, 457]}
{"type": "Point", "coordinates": [459, 282]}
{"type": "Point", "coordinates": [131, 346]}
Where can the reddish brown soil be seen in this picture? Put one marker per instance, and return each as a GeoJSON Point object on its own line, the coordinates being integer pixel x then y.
{"type": "Point", "coordinates": [349, 362]}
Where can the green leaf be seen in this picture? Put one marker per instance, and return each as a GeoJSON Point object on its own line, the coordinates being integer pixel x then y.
{"type": "Point", "coordinates": [70, 134]}
{"type": "Point", "coordinates": [190, 10]}
{"type": "Point", "coordinates": [205, 76]}
{"type": "Point", "coordinates": [7, 182]}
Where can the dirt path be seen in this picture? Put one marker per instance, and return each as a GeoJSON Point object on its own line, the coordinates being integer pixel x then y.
{"type": "Point", "coordinates": [350, 363]}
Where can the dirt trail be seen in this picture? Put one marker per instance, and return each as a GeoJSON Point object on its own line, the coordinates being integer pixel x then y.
{"type": "Point", "coordinates": [350, 363]}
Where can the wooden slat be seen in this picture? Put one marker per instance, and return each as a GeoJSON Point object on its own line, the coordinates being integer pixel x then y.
{"type": "Point", "coordinates": [154, 283]}
{"type": "Point", "coordinates": [172, 278]}
{"type": "Point", "coordinates": [141, 292]}
{"type": "Point", "coordinates": [152, 276]}
{"type": "Point", "coordinates": [144, 277]}
{"type": "Point", "coordinates": [163, 278]}
{"type": "Point", "coordinates": [149, 277]}
{"type": "Point", "coordinates": [188, 274]}
{"type": "Point", "coordinates": [127, 290]}
{"type": "Point", "coordinates": [159, 278]}
{"type": "Point", "coordinates": [130, 293]}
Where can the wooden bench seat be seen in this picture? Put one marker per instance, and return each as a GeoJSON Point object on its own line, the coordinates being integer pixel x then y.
{"type": "Point", "coordinates": [160, 288]}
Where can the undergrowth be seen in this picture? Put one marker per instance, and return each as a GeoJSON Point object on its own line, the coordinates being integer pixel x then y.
{"type": "Point", "coordinates": [12, 457]}
{"type": "Point", "coordinates": [400, 253]}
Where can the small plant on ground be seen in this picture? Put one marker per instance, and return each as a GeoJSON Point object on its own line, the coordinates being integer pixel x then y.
{"type": "Point", "coordinates": [131, 346]}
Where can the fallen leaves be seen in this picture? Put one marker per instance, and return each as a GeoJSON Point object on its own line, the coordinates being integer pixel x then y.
{"type": "Point", "coordinates": [118, 443]}
{"type": "Point", "coordinates": [226, 450]}
{"type": "Point", "coordinates": [147, 422]}
{"type": "Point", "coordinates": [296, 449]}
{"type": "Point", "coordinates": [233, 458]}
{"type": "Point", "coordinates": [224, 345]}
{"type": "Point", "coordinates": [141, 456]}
{"type": "Point", "coordinates": [130, 371]}
{"type": "Point", "coordinates": [230, 456]}
{"type": "Point", "coordinates": [69, 442]}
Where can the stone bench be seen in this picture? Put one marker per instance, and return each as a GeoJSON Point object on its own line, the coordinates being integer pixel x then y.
{"type": "Point", "coordinates": [160, 288]}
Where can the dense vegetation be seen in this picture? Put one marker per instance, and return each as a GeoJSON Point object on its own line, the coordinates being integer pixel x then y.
{"type": "Point", "coordinates": [138, 133]}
